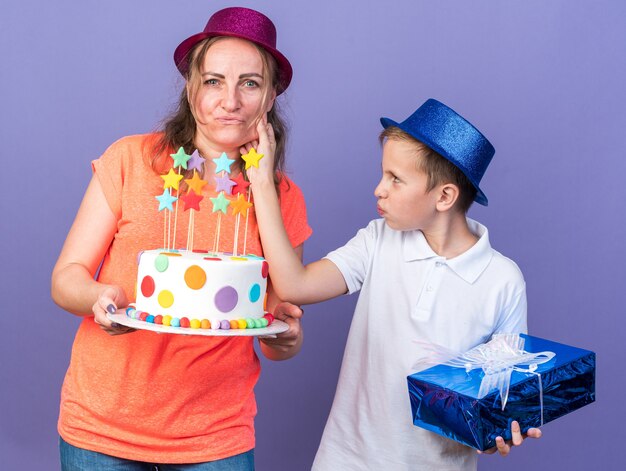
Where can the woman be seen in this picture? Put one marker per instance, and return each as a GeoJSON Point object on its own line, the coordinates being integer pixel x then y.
{"type": "Point", "coordinates": [139, 400]}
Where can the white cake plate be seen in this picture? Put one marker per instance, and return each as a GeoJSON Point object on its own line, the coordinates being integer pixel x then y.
{"type": "Point", "coordinates": [276, 327]}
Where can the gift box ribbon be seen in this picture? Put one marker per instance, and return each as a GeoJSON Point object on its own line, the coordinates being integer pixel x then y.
{"type": "Point", "coordinates": [498, 358]}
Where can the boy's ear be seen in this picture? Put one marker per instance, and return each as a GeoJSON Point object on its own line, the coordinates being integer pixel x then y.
{"type": "Point", "coordinates": [448, 195]}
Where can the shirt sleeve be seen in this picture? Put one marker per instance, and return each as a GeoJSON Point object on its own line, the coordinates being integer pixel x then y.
{"type": "Point", "coordinates": [513, 319]}
{"type": "Point", "coordinates": [109, 169]}
{"type": "Point", "coordinates": [293, 210]}
{"type": "Point", "coordinates": [354, 259]}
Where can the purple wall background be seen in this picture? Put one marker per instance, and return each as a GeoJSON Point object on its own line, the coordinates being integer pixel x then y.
{"type": "Point", "coordinates": [543, 79]}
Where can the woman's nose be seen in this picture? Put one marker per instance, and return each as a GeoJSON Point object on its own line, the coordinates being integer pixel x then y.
{"type": "Point", "coordinates": [230, 99]}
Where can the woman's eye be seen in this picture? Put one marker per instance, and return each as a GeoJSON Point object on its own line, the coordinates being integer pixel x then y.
{"type": "Point", "coordinates": [211, 81]}
{"type": "Point", "coordinates": [250, 84]}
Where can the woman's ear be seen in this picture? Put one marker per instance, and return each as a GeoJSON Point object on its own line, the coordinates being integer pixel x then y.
{"type": "Point", "coordinates": [448, 195]}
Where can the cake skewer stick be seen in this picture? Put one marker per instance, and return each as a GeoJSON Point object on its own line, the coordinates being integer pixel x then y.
{"type": "Point", "coordinates": [192, 201]}
{"type": "Point", "coordinates": [180, 160]}
{"type": "Point", "coordinates": [239, 189]}
{"type": "Point", "coordinates": [223, 186]}
{"type": "Point", "coordinates": [251, 158]}
{"type": "Point", "coordinates": [165, 202]}
{"type": "Point", "coordinates": [220, 203]}
{"type": "Point", "coordinates": [245, 232]}
{"type": "Point", "coordinates": [240, 206]}
{"type": "Point", "coordinates": [171, 181]}
{"type": "Point", "coordinates": [195, 163]}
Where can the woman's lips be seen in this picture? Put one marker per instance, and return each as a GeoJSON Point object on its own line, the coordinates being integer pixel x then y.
{"type": "Point", "coordinates": [229, 120]}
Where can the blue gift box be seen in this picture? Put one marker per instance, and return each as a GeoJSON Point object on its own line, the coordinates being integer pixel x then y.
{"type": "Point", "coordinates": [444, 399]}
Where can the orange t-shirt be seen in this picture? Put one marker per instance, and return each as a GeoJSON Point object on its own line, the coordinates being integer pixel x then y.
{"type": "Point", "coordinates": [153, 397]}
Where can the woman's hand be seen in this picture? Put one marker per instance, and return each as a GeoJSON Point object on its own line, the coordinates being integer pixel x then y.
{"type": "Point", "coordinates": [266, 145]}
{"type": "Point", "coordinates": [110, 299]}
{"type": "Point", "coordinates": [517, 438]}
{"type": "Point", "coordinates": [286, 344]}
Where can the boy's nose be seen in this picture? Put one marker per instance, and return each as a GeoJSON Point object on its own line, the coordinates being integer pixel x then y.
{"type": "Point", "coordinates": [379, 191]}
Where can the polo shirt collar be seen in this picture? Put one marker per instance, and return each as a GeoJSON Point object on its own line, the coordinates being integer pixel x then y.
{"type": "Point", "coordinates": [469, 265]}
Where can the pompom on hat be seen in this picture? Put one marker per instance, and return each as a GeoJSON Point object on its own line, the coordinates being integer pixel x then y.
{"type": "Point", "coordinates": [238, 22]}
{"type": "Point", "coordinates": [453, 137]}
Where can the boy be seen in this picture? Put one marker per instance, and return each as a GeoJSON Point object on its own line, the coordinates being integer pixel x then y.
{"type": "Point", "coordinates": [425, 272]}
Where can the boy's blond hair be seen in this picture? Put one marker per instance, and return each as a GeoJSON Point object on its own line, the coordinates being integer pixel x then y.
{"type": "Point", "coordinates": [438, 169]}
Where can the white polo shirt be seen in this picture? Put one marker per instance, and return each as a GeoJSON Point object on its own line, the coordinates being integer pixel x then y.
{"type": "Point", "coordinates": [409, 293]}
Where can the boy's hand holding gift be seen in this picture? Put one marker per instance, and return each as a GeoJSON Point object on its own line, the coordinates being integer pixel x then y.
{"type": "Point", "coordinates": [512, 384]}
{"type": "Point", "coordinates": [517, 438]}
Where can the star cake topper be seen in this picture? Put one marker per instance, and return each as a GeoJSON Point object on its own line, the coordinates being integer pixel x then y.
{"type": "Point", "coordinates": [224, 184]}
{"type": "Point", "coordinates": [192, 200]}
{"type": "Point", "coordinates": [180, 158]}
{"type": "Point", "coordinates": [252, 158]}
{"type": "Point", "coordinates": [196, 161]}
{"type": "Point", "coordinates": [220, 203]}
{"type": "Point", "coordinates": [172, 179]}
{"type": "Point", "coordinates": [223, 163]}
{"type": "Point", "coordinates": [195, 183]}
{"type": "Point", "coordinates": [166, 200]}
{"type": "Point", "coordinates": [240, 205]}
{"type": "Point", "coordinates": [241, 185]}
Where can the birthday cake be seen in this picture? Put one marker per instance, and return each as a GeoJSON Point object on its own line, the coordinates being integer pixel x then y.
{"type": "Point", "coordinates": [201, 290]}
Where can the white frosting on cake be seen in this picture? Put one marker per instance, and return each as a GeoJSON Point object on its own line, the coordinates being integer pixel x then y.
{"type": "Point", "coordinates": [210, 286]}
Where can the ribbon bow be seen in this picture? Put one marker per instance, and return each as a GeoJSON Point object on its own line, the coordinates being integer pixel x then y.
{"type": "Point", "coordinates": [497, 358]}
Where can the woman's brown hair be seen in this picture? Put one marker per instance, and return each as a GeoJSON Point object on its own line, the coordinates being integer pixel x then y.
{"type": "Point", "coordinates": [179, 129]}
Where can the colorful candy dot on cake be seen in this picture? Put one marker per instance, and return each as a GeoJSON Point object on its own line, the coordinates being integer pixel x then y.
{"type": "Point", "coordinates": [142, 315]}
{"type": "Point", "coordinates": [167, 320]}
{"type": "Point", "coordinates": [205, 324]}
{"type": "Point", "coordinates": [215, 259]}
{"type": "Point", "coordinates": [263, 322]}
{"type": "Point", "coordinates": [158, 319]}
{"type": "Point", "coordinates": [147, 286]}
{"type": "Point", "coordinates": [195, 277]}
{"type": "Point", "coordinates": [165, 298]}
{"type": "Point", "coordinates": [225, 324]}
{"type": "Point", "coordinates": [249, 323]}
{"type": "Point", "coordinates": [184, 322]}
{"type": "Point", "coordinates": [269, 317]}
{"type": "Point", "coordinates": [175, 322]}
{"type": "Point", "coordinates": [161, 262]}
{"type": "Point", "coordinates": [265, 269]}
{"type": "Point", "coordinates": [255, 293]}
{"type": "Point", "coordinates": [226, 299]}
{"type": "Point", "coordinates": [242, 323]}
{"type": "Point", "coordinates": [239, 259]}
{"type": "Point", "coordinates": [130, 310]}
{"type": "Point", "coordinates": [194, 323]}
{"type": "Point", "coordinates": [234, 324]}
{"type": "Point", "coordinates": [150, 318]}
